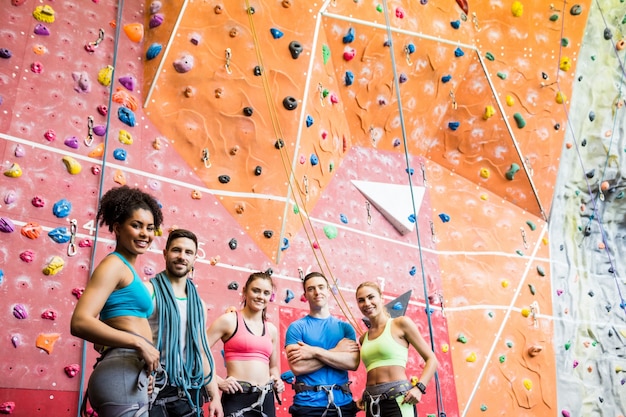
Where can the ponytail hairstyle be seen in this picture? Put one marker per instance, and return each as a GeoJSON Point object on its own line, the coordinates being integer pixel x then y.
{"type": "Point", "coordinates": [253, 277]}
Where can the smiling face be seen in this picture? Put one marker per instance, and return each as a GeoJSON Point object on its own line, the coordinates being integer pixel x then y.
{"type": "Point", "coordinates": [369, 300]}
{"type": "Point", "coordinates": [257, 293]}
{"type": "Point", "coordinates": [316, 292]}
{"type": "Point", "coordinates": [180, 256]}
{"type": "Point", "coordinates": [135, 234]}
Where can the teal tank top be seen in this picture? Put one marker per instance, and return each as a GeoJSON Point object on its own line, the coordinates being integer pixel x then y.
{"type": "Point", "coordinates": [383, 351]}
{"type": "Point", "coordinates": [132, 300]}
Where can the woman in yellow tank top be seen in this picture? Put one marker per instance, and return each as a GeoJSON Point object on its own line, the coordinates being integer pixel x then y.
{"type": "Point", "coordinates": [384, 351]}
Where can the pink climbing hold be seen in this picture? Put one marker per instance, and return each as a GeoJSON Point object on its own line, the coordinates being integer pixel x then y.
{"type": "Point", "coordinates": [72, 370]}
{"type": "Point", "coordinates": [85, 243]}
{"type": "Point", "coordinates": [78, 292]}
{"type": "Point", "coordinates": [27, 256]}
{"type": "Point", "coordinates": [82, 84]}
{"type": "Point", "coordinates": [50, 135]}
{"type": "Point", "coordinates": [128, 81]}
{"type": "Point", "coordinates": [7, 407]}
{"type": "Point", "coordinates": [49, 315]}
{"type": "Point", "coordinates": [19, 151]}
{"type": "Point", "coordinates": [10, 197]}
{"type": "Point", "coordinates": [349, 54]}
{"type": "Point", "coordinates": [38, 202]}
{"type": "Point", "coordinates": [565, 413]}
{"type": "Point", "coordinates": [184, 64]}
{"type": "Point", "coordinates": [399, 13]}
{"type": "Point", "coordinates": [103, 110]}
{"type": "Point", "coordinates": [334, 98]}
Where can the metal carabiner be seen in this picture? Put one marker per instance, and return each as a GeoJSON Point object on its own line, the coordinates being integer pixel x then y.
{"type": "Point", "coordinates": [89, 138]}
{"type": "Point", "coordinates": [71, 248]}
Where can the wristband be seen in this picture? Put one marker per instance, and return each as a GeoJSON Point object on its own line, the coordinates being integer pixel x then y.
{"type": "Point", "coordinates": [421, 387]}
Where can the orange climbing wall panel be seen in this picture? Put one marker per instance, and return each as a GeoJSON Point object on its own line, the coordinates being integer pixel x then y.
{"type": "Point", "coordinates": [476, 97]}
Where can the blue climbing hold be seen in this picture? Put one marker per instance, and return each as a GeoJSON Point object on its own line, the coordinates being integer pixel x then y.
{"type": "Point", "coordinates": [410, 171]}
{"type": "Point", "coordinates": [413, 271]}
{"type": "Point", "coordinates": [126, 116]}
{"type": "Point", "coordinates": [276, 34]}
{"type": "Point", "coordinates": [455, 24]}
{"type": "Point", "coordinates": [153, 51]}
{"type": "Point", "coordinates": [397, 306]}
{"type": "Point", "coordinates": [285, 245]}
{"type": "Point", "coordinates": [458, 52]}
{"type": "Point", "coordinates": [119, 154]}
{"type": "Point", "coordinates": [289, 296]}
{"type": "Point", "coordinates": [62, 208]}
{"type": "Point", "coordinates": [444, 217]}
{"type": "Point", "coordinates": [446, 78]}
{"type": "Point", "coordinates": [309, 121]}
{"type": "Point", "coordinates": [348, 78]}
{"type": "Point", "coordinates": [412, 218]}
{"type": "Point", "coordinates": [343, 218]}
{"type": "Point", "coordinates": [410, 48]}
{"type": "Point", "coordinates": [349, 37]}
{"type": "Point", "coordinates": [454, 125]}
{"type": "Point", "coordinates": [314, 159]}
{"type": "Point", "coordinates": [60, 235]}
{"type": "Point", "coordinates": [1, 276]}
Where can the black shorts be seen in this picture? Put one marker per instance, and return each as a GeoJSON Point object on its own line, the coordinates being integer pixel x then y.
{"type": "Point", "coordinates": [170, 404]}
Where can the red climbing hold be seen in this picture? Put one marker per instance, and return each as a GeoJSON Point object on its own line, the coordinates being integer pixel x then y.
{"type": "Point", "coordinates": [463, 5]}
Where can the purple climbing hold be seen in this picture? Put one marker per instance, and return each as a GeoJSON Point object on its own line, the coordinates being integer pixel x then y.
{"type": "Point", "coordinates": [155, 6]}
{"type": "Point", "coordinates": [19, 311]}
{"type": "Point", "coordinates": [100, 130]}
{"type": "Point", "coordinates": [184, 64]}
{"type": "Point", "coordinates": [5, 53]}
{"type": "Point", "coordinates": [72, 142]}
{"type": "Point", "coordinates": [403, 78]}
{"type": "Point", "coordinates": [156, 20]}
{"type": "Point", "coordinates": [128, 81]}
{"type": "Point", "coordinates": [41, 30]}
{"type": "Point", "coordinates": [6, 225]}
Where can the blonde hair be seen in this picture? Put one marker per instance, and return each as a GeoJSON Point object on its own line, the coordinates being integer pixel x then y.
{"type": "Point", "coordinates": [371, 285]}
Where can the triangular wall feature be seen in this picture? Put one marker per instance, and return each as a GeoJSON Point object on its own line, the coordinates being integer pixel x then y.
{"type": "Point", "coordinates": [397, 307]}
{"type": "Point", "coordinates": [393, 201]}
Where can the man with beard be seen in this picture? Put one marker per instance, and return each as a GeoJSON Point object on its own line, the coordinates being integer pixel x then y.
{"type": "Point", "coordinates": [178, 326]}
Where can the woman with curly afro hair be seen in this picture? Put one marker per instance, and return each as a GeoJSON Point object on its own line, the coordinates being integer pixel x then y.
{"type": "Point", "coordinates": [113, 311]}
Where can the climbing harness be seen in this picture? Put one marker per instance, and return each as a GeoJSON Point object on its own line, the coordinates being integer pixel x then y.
{"type": "Point", "coordinates": [373, 395]}
{"type": "Point", "coordinates": [248, 388]}
{"type": "Point", "coordinates": [329, 390]}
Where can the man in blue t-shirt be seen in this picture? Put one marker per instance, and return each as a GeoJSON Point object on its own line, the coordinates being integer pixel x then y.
{"type": "Point", "coordinates": [321, 349]}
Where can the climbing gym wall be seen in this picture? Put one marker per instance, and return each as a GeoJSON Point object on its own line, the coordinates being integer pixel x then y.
{"type": "Point", "coordinates": [464, 155]}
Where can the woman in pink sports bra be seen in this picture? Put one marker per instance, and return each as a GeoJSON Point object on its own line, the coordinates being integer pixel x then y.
{"type": "Point", "coordinates": [251, 353]}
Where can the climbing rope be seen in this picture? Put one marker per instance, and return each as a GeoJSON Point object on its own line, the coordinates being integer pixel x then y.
{"type": "Point", "coordinates": [293, 182]}
{"type": "Point", "coordinates": [409, 170]}
{"type": "Point", "coordinates": [183, 372]}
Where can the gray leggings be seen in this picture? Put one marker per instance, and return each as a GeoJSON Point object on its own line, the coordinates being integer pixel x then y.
{"type": "Point", "coordinates": [118, 387]}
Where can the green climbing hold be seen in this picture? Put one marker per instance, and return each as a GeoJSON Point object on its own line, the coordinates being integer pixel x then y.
{"type": "Point", "coordinates": [483, 407]}
{"type": "Point", "coordinates": [490, 314]}
{"type": "Point", "coordinates": [519, 120]}
{"type": "Point", "coordinates": [461, 338]}
{"type": "Point", "coordinates": [531, 225]}
{"type": "Point", "coordinates": [379, 8]}
{"type": "Point", "coordinates": [502, 358]}
{"type": "Point", "coordinates": [296, 210]}
{"type": "Point", "coordinates": [501, 75]}
{"type": "Point", "coordinates": [330, 231]}
{"type": "Point", "coordinates": [519, 252]}
{"type": "Point", "coordinates": [510, 174]}
{"type": "Point", "coordinates": [509, 344]}
{"type": "Point", "coordinates": [531, 287]}
{"type": "Point", "coordinates": [490, 56]}
{"type": "Point", "coordinates": [554, 17]}
{"type": "Point", "coordinates": [568, 344]}
{"type": "Point", "coordinates": [325, 53]}
{"type": "Point", "coordinates": [331, 166]}
{"type": "Point", "coordinates": [541, 271]}
{"type": "Point", "coordinates": [564, 42]}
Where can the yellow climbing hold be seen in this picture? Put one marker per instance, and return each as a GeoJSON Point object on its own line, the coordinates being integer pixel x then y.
{"type": "Point", "coordinates": [528, 384]}
{"type": "Point", "coordinates": [445, 348]}
{"type": "Point", "coordinates": [517, 8]}
{"type": "Point", "coordinates": [97, 152]}
{"type": "Point", "coordinates": [105, 75]}
{"type": "Point", "coordinates": [54, 266]}
{"type": "Point", "coordinates": [504, 283]}
{"type": "Point", "coordinates": [414, 380]}
{"type": "Point", "coordinates": [485, 173]}
{"type": "Point", "coordinates": [565, 64]}
{"type": "Point", "coordinates": [489, 112]}
{"type": "Point", "coordinates": [471, 357]}
{"type": "Point", "coordinates": [484, 197]}
{"type": "Point", "coordinates": [72, 165]}
{"type": "Point", "coordinates": [509, 100]}
{"type": "Point", "coordinates": [44, 13]}
{"type": "Point", "coordinates": [561, 98]}
{"type": "Point", "coordinates": [526, 312]}
{"type": "Point", "coordinates": [134, 31]}
{"type": "Point", "coordinates": [125, 137]}
{"type": "Point", "coordinates": [14, 172]}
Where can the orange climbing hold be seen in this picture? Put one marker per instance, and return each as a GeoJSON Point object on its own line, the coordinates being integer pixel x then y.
{"type": "Point", "coordinates": [45, 341]}
{"type": "Point", "coordinates": [124, 98]}
{"type": "Point", "coordinates": [134, 31]}
{"type": "Point", "coordinates": [97, 152]}
{"type": "Point", "coordinates": [119, 177]}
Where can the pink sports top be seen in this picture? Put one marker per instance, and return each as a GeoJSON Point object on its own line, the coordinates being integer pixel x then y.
{"type": "Point", "coordinates": [246, 346]}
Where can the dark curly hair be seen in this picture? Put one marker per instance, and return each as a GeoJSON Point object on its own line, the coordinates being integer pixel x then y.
{"type": "Point", "coordinates": [117, 205]}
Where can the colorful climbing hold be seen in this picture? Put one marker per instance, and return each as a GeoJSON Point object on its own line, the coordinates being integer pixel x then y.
{"type": "Point", "coordinates": [485, 173]}
{"type": "Point", "coordinates": [461, 338]}
{"type": "Point", "coordinates": [126, 116]}
{"type": "Point", "coordinates": [444, 217]}
{"type": "Point", "coordinates": [45, 341]}
{"type": "Point", "coordinates": [120, 154]}
{"type": "Point", "coordinates": [153, 51]}
{"type": "Point", "coordinates": [72, 165]}
{"type": "Point", "coordinates": [517, 8]}
{"type": "Point", "coordinates": [134, 31]}
{"type": "Point", "coordinates": [295, 48]}
{"type": "Point", "coordinates": [104, 75]}
{"type": "Point", "coordinates": [330, 231]}
{"type": "Point", "coordinates": [565, 64]}
{"type": "Point", "coordinates": [14, 172]}
{"type": "Point", "coordinates": [471, 357]}
{"type": "Point", "coordinates": [44, 13]}
{"type": "Point", "coordinates": [510, 174]}
{"type": "Point", "coordinates": [489, 112]}
{"type": "Point", "coordinates": [62, 208]}
{"type": "Point", "coordinates": [325, 54]}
